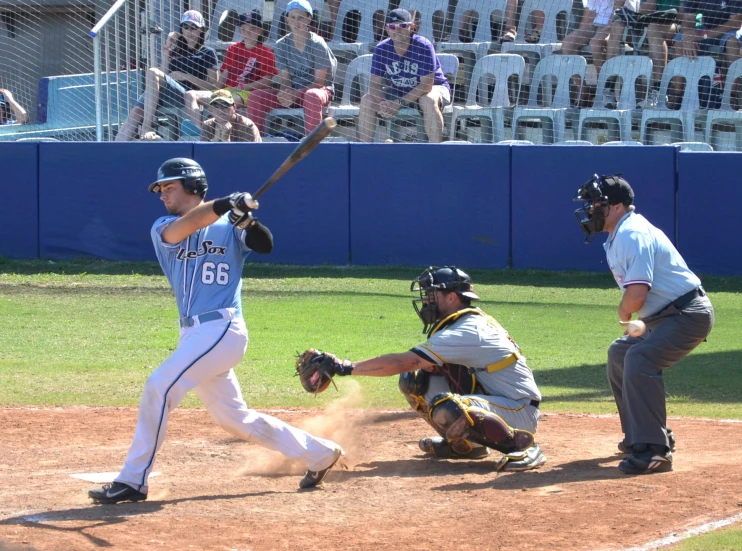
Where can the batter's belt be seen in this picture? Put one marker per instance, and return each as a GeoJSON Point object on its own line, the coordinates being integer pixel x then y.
{"type": "Point", "coordinates": [214, 315]}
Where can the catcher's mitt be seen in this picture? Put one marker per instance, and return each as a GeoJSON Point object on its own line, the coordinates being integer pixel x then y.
{"type": "Point", "coordinates": [316, 369]}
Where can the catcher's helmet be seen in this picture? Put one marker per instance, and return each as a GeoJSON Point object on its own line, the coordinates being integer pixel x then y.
{"type": "Point", "coordinates": [181, 168]}
{"type": "Point", "coordinates": [605, 190]}
{"type": "Point", "coordinates": [447, 278]}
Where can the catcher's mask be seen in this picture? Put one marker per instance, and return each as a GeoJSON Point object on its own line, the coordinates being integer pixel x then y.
{"type": "Point", "coordinates": [447, 278]}
{"type": "Point", "coordinates": [595, 194]}
{"type": "Point", "coordinates": [182, 168]}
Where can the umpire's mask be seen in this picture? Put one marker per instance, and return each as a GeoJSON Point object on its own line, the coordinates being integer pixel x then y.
{"type": "Point", "coordinates": [447, 278]}
{"type": "Point", "coordinates": [595, 194]}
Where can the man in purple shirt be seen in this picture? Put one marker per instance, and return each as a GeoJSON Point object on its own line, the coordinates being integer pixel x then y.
{"type": "Point", "coordinates": [405, 72]}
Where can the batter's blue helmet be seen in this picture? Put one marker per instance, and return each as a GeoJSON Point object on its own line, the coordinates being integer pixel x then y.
{"type": "Point", "coordinates": [182, 168]}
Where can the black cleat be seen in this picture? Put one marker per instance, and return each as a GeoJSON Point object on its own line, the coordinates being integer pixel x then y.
{"type": "Point", "coordinates": [624, 448]}
{"type": "Point", "coordinates": [312, 478]}
{"type": "Point", "coordinates": [116, 492]}
{"type": "Point", "coordinates": [647, 459]}
{"type": "Point", "coordinates": [437, 446]}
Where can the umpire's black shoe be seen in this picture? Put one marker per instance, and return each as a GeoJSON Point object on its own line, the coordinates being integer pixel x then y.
{"type": "Point", "coordinates": [437, 446]}
{"type": "Point", "coordinates": [312, 478]}
{"type": "Point", "coordinates": [646, 459]}
{"type": "Point", "coordinates": [625, 448]}
{"type": "Point", "coordinates": [116, 492]}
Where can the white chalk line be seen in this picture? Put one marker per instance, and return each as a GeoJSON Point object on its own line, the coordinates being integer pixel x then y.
{"type": "Point", "coordinates": [690, 533]}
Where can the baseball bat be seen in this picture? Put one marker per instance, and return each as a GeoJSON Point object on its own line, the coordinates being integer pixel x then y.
{"type": "Point", "coordinates": [305, 147]}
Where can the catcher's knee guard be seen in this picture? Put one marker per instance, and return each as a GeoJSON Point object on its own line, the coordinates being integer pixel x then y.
{"type": "Point", "coordinates": [414, 385]}
{"type": "Point", "coordinates": [462, 420]}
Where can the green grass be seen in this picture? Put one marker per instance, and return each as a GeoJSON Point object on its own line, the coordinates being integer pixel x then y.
{"type": "Point", "coordinates": [728, 539]}
{"type": "Point", "coordinates": [89, 333]}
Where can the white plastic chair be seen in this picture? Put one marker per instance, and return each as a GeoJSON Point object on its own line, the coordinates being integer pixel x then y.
{"type": "Point", "coordinates": [449, 66]}
{"type": "Point", "coordinates": [358, 70]}
{"type": "Point", "coordinates": [433, 15]}
{"type": "Point", "coordinates": [624, 142]}
{"type": "Point", "coordinates": [482, 39]}
{"type": "Point", "coordinates": [500, 67]}
{"type": "Point", "coordinates": [514, 142]}
{"type": "Point", "coordinates": [220, 19]}
{"type": "Point", "coordinates": [549, 41]}
{"type": "Point", "coordinates": [693, 146]}
{"type": "Point", "coordinates": [725, 114]}
{"type": "Point", "coordinates": [574, 142]}
{"type": "Point", "coordinates": [683, 121]}
{"type": "Point", "coordinates": [279, 10]}
{"type": "Point", "coordinates": [561, 68]}
{"type": "Point", "coordinates": [366, 37]}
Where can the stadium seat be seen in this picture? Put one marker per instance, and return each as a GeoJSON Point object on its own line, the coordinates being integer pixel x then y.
{"type": "Point", "coordinates": [500, 67]}
{"type": "Point", "coordinates": [449, 66]}
{"type": "Point", "coordinates": [725, 114]}
{"type": "Point", "coordinates": [433, 15]}
{"type": "Point", "coordinates": [628, 69]}
{"type": "Point", "coordinates": [549, 41]}
{"type": "Point", "coordinates": [574, 142]}
{"type": "Point", "coordinates": [682, 121]}
{"type": "Point", "coordinates": [514, 142]}
{"type": "Point", "coordinates": [343, 44]}
{"type": "Point", "coordinates": [625, 142]}
{"type": "Point", "coordinates": [225, 27]}
{"type": "Point", "coordinates": [359, 71]}
{"type": "Point", "coordinates": [693, 146]}
{"type": "Point", "coordinates": [552, 114]}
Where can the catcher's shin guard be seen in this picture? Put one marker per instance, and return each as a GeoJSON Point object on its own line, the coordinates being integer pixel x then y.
{"type": "Point", "coordinates": [462, 419]}
{"type": "Point", "coordinates": [414, 385]}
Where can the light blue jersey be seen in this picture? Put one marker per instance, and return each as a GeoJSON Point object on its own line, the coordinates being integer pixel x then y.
{"type": "Point", "coordinates": [639, 253]}
{"type": "Point", "coordinates": [205, 269]}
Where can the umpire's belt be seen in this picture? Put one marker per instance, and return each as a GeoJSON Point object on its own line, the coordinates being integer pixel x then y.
{"type": "Point", "coordinates": [683, 301]}
{"type": "Point", "coordinates": [214, 315]}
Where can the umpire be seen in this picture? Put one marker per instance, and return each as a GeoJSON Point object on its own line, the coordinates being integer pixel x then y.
{"type": "Point", "coordinates": [660, 289]}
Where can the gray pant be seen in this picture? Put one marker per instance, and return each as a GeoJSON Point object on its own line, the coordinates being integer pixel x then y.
{"type": "Point", "coordinates": [635, 366]}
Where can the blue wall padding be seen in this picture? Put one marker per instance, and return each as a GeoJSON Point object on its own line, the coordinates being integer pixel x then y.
{"type": "Point", "coordinates": [545, 179]}
{"type": "Point", "coordinates": [420, 205]}
{"type": "Point", "coordinates": [19, 216]}
{"type": "Point", "coordinates": [709, 198]}
{"type": "Point", "coordinates": [306, 210]}
{"type": "Point", "coordinates": [94, 199]}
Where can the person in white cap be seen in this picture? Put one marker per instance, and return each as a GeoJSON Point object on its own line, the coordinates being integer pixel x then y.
{"type": "Point", "coordinates": [306, 69]}
{"type": "Point", "coordinates": [186, 65]}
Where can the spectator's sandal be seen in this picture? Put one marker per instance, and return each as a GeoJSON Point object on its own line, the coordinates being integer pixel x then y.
{"type": "Point", "coordinates": [509, 36]}
{"type": "Point", "coordinates": [151, 136]}
{"type": "Point", "coordinates": [534, 37]}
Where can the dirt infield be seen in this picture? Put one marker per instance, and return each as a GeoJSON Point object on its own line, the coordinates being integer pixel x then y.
{"type": "Point", "coordinates": [218, 493]}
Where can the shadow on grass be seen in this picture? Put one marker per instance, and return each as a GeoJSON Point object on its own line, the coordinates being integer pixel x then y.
{"type": "Point", "coordinates": [711, 377]}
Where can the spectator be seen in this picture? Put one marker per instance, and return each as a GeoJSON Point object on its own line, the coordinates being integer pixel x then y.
{"type": "Point", "coordinates": [248, 65]}
{"type": "Point", "coordinates": [717, 28]}
{"type": "Point", "coordinates": [11, 111]}
{"type": "Point", "coordinates": [511, 24]}
{"type": "Point", "coordinates": [306, 70]}
{"type": "Point", "coordinates": [408, 62]}
{"type": "Point", "coordinates": [186, 65]}
{"type": "Point", "coordinates": [226, 125]}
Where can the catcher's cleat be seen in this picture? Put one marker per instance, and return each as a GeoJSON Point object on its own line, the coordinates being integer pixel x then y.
{"type": "Point", "coordinates": [532, 458]}
{"type": "Point", "coordinates": [624, 448]}
{"type": "Point", "coordinates": [312, 478]}
{"type": "Point", "coordinates": [116, 492]}
{"type": "Point", "coordinates": [646, 459]}
{"type": "Point", "coordinates": [437, 446]}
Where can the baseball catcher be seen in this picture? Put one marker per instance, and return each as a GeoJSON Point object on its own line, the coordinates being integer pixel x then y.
{"type": "Point", "coordinates": [469, 380]}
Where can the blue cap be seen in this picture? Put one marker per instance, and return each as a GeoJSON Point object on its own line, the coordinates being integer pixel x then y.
{"type": "Point", "coordinates": [300, 5]}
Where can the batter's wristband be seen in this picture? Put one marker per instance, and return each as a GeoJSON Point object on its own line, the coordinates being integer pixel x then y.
{"type": "Point", "coordinates": [221, 206]}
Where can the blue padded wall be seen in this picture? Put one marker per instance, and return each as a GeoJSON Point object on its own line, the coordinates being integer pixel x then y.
{"type": "Point", "coordinates": [306, 210]}
{"type": "Point", "coordinates": [423, 204]}
{"type": "Point", "coordinates": [546, 234]}
{"type": "Point", "coordinates": [94, 200]}
{"type": "Point", "coordinates": [19, 215]}
{"type": "Point", "coordinates": [709, 196]}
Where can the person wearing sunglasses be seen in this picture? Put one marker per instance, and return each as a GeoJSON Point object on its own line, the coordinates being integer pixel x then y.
{"type": "Point", "coordinates": [405, 72]}
{"type": "Point", "coordinates": [186, 65]}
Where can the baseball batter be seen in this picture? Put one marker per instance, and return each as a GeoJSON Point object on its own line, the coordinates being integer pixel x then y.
{"type": "Point", "coordinates": [661, 290]}
{"type": "Point", "coordinates": [202, 252]}
{"type": "Point", "coordinates": [469, 380]}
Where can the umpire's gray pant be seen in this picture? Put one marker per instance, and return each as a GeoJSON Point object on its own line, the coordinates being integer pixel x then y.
{"type": "Point", "coordinates": [635, 366]}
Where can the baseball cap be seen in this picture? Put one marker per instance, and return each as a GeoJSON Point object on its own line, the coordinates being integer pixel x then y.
{"type": "Point", "coordinates": [299, 5]}
{"type": "Point", "coordinates": [399, 15]}
{"type": "Point", "coordinates": [222, 98]}
{"type": "Point", "coordinates": [193, 16]}
{"type": "Point", "coordinates": [253, 18]}
{"type": "Point", "coordinates": [617, 190]}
